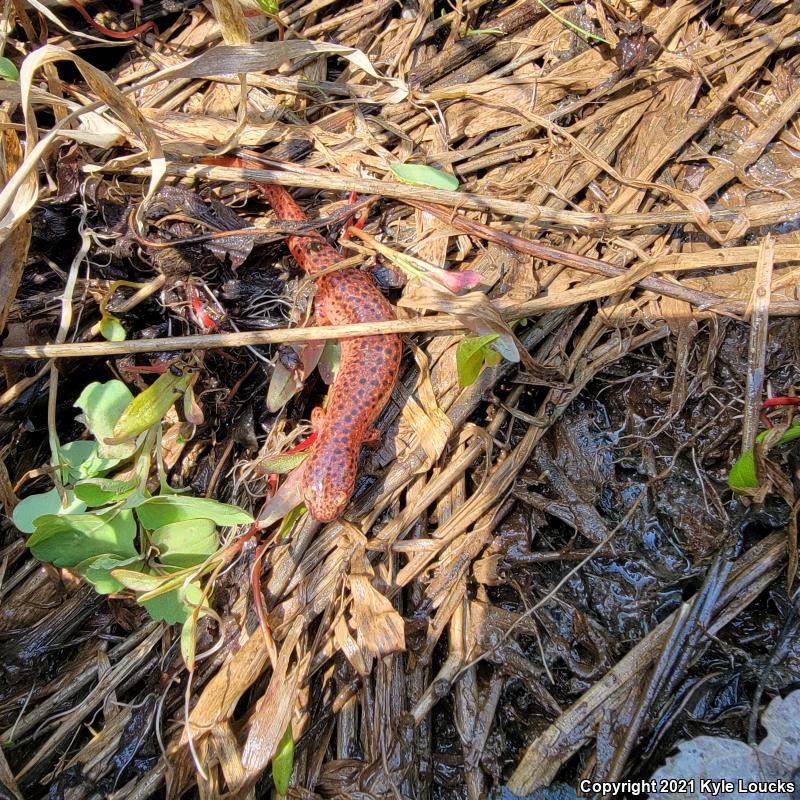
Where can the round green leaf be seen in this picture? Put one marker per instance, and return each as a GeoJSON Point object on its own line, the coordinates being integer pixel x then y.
{"type": "Point", "coordinates": [111, 329]}
{"type": "Point", "coordinates": [97, 571]}
{"type": "Point", "coordinates": [185, 544]}
{"type": "Point", "coordinates": [82, 460]}
{"type": "Point", "coordinates": [8, 70]}
{"type": "Point", "coordinates": [76, 454]}
{"type": "Point", "coordinates": [102, 405]}
{"type": "Point", "coordinates": [72, 538]}
{"type": "Point", "coordinates": [100, 491]}
{"type": "Point", "coordinates": [423, 175]}
{"type": "Point", "coordinates": [29, 510]}
{"type": "Point", "coordinates": [175, 606]}
{"type": "Point", "coordinates": [166, 510]}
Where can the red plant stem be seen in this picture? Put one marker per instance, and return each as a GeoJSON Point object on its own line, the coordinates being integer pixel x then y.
{"type": "Point", "coordinates": [306, 443]}
{"type": "Point", "coordinates": [772, 402]}
{"type": "Point", "coordinates": [146, 26]}
{"type": "Point", "coordinates": [258, 603]}
{"type": "Point", "coordinates": [206, 321]}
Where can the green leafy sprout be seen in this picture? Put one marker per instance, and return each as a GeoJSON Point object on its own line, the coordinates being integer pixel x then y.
{"type": "Point", "coordinates": [103, 523]}
{"type": "Point", "coordinates": [743, 473]}
{"type": "Point", "coordinates": [472, 353]}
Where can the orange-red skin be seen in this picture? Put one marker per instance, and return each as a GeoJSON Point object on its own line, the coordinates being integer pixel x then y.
{"type": "Point", "coordinates": [368, 366]}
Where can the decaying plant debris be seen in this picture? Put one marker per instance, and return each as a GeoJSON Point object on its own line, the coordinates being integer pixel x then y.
{"type": "Point", "coordinates": [543, 575]}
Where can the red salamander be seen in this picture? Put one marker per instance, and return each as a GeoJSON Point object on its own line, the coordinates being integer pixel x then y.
{"type": "Point", "coordinates": [368, 365]}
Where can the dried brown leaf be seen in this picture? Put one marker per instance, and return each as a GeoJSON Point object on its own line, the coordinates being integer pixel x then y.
{"type": "Point", "coordinates": [274, 711]}
{"type": "Point", "coordinates": [262, 56]}
{"type": "Point", "coordinates": [230, 16]}
{"type": "Point", "coordinates": [431, 426]}
{"type": "Point", "coordinates": [378, 627]}
{"type": "Point", "coordinates": [14, 249]}
{"type": "Point", "coordinates": [21, 192]}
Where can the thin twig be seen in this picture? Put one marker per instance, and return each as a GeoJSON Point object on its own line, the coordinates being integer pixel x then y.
{"type": "Point", "coordinates": [541, 216]}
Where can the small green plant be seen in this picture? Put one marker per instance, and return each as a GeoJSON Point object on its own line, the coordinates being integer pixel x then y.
{"type": "Point", "coordinates": [8, 70]}
{"type": "Point", "coordinates": [283, 762]}
{"type": "Point", "coordinates": [102, 521]}
{"type": "Point", "coordinates": [472, 353]}
{"type": "Point", "coordinates": [743, 473]}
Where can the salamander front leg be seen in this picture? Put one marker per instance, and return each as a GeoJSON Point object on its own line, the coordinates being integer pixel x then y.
{"type": "Point", "coordinates": [372, 438]}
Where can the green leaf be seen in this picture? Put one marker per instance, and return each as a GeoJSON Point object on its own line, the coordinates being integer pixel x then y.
{"type": "Point", "coordinates": [491, 357]}
{"type": "Point", "coordinates": [185, 544]}
{"type": "Point", "coordinates": [470, 355]}
{"type": "Point", "coordinates": [159, 511]}
{"type": "Point", "coordinates": [97, 571]}
{"type": "Point", "coordinates": [148, 408]}
{"type": "Point", "coordinates": [423, 175]}
{"type": "Point", "coordinates": [283, 463]}
{"type": "Point", "coordinates": [282, 388]}
{"type": "Point", "coordinates": [8, 70]}
{"type": "Point", "coordinates": [188, 643]}
{"type": "Point", "coordinates": [140, 581]}
{"type": "Point", "coordinates": [283, 762]}
{"type": "Point", "coordinates": [102, 405]}
{"type": "Point", "coordinates": [27, 511]}
{"type": "Point", "coordinates": [100, 491]}
{"type": "Point", "coordinates": [485, 31]}
{"type": "Point", "coordinates": [289, 520]}
{"type": "Point", "coordinates": [175, 606]}
{"type": "Point", "coordinates": [743, 472]}
{"type": "Point", "coordinates": [111, 329]}
{"type": "Point", "coordinates": [136, 498]}
{"type": "Point", "coordinates": [329, 361]}
{"type": "Point", "coordinates": [83, 461]}
{"type": "Point", "coordinates": [506, 347]}
{"type": "Point", "coordinates": [269, 6]}
{"type": "Point", "coordinates": [70, 539]}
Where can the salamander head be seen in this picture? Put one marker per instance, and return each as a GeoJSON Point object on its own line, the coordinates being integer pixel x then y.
{"type": "Point", "coordinates": [324, 507]}
{"type": "Point", "coordinates": [326, 497]}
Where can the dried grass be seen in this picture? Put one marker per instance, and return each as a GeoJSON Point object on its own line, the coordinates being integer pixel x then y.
{"type": "Point", "coordinates": [619, 206]}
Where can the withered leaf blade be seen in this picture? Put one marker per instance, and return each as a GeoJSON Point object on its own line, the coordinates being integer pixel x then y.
{"type": "Point", "coordinates": [379, 629]}
{"type": "Point", "coordinates": [14, 250]}
{"type": "Point", "coordinates": [274, 712]}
